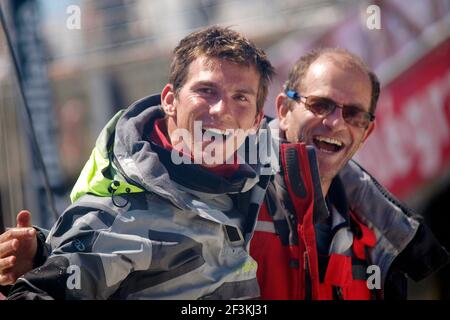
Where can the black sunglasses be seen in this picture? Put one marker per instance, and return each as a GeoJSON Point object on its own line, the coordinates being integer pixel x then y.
{"type": "Point", "coordinates": [323, 106]}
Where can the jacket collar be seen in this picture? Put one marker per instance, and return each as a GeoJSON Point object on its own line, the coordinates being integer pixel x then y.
{"type": "Point", "coordinates": [151, 166]}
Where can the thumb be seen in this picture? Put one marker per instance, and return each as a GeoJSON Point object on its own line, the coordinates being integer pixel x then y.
{"type": "Point", "coordinates": [24, 219]}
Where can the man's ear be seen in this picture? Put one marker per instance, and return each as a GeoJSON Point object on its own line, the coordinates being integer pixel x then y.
{"type": "Point", "coordinates": [168, 99]}
{"type": "Point", "coordinates": [368, 132]}
{"type": "Point", "coordinates": [282, 110]}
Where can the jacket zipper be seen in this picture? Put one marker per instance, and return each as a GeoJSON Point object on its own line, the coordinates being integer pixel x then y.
{"type": "Point", "coordinates": [308, 293]}
{"type": "Point", "coordinates": [306, 278]}
{"type": "Point", "coordinates": [125, 176]}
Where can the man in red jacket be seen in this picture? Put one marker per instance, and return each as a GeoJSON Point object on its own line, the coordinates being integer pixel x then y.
{"type": "Point", "coordinates": [336, 234]}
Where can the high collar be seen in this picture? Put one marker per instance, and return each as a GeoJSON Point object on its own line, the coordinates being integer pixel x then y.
{"type": "Point", "coordinates": [151, 166]}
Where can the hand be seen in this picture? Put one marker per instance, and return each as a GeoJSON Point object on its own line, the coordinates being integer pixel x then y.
{"type": "Point", "coordinates": [18, 247]}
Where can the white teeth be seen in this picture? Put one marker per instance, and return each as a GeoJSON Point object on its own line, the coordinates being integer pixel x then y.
{"type": "Point", "coordinates": [215, 131]}
{"type": "Point", "coordinates": [329, 140]}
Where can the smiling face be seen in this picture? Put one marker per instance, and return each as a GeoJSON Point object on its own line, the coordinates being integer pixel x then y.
{"type": "Point", "coordinates": [334, 140]}
{"type": "Point", "coordinates": [221, 95]}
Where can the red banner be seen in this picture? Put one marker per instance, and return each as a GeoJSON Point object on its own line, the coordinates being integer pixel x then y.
{"type": "Point", "coordinates": [411, 142]}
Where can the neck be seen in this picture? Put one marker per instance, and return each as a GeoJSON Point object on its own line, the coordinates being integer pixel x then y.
{"type": "Point", "coordinates": [325, 184]}
{"type": "Point", "coordinates": [170, 125]}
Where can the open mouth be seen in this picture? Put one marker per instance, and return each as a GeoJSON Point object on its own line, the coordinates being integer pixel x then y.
{"type": "Point", "coordinates": [329, 145]}
{"type": "Point", "coordinates": [215, 132]}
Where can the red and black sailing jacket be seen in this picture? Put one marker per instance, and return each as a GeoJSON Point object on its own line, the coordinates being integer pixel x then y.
{"type": "Point", "coordinates": [307, 248]}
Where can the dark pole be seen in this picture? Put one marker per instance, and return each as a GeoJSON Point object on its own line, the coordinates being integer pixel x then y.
{"type": "Point", "coordinates": [50, 199]}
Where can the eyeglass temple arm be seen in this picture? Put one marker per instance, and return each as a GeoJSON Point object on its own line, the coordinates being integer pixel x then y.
{"type": "Point", "coordinates": [293, 95]}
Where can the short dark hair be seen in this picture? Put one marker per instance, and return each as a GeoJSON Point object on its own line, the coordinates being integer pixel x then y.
{"type": "Point", "coordinates": [222, 43]}
{"type": "Point", "coordinates": [301, 67]}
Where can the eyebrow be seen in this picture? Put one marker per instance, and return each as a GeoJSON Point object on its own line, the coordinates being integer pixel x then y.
{"type": "Point", "coordinates": [249, 91]}
{"type": "Point", "coordinates": [206, 83]}
{"type": "Point", "coordinates": [357, 105]}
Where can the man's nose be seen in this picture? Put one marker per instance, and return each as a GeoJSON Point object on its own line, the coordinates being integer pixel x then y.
{"type": "Point", "coordinates": [335, 120]}
{"type": "Point", "coordinates": [219, 108]}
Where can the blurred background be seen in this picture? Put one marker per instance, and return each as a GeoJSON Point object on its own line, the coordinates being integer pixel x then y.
{"type": "Point", "coordinates": [82, 60]}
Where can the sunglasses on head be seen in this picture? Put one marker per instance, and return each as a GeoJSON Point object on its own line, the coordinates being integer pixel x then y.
{"type": "Point", "coordinates": [324, 106]}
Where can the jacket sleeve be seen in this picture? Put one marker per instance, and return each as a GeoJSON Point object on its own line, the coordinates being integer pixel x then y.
{"type": "Point", "coordinates": [420, 252]}
{"type": "Point", "coordinates": [88, 260]}
{"type": "Point", "coordinates": [43, 249]}
{"type": "Point", "coordinates": [423, 255]}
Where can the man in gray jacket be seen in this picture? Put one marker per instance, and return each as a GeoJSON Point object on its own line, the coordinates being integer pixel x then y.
{"type": "Point", "coordinates": [145, 227]}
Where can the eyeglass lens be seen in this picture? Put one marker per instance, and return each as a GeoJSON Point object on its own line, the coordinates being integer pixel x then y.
{"type": "Point", "coordinates": [351, 114]}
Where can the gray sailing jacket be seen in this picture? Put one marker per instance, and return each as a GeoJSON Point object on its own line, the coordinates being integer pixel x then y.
{"type": "Point", "coordinates": [144, 228]}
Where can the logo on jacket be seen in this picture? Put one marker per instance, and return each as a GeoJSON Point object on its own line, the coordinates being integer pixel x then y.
{"type": "Point", "coordinates": [79, 245]}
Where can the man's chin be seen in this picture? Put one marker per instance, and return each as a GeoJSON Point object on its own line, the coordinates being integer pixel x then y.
{"type": "Point", "coordinates": [328, 170]}
{"type": "Point", "coordinates": [214, 155]}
